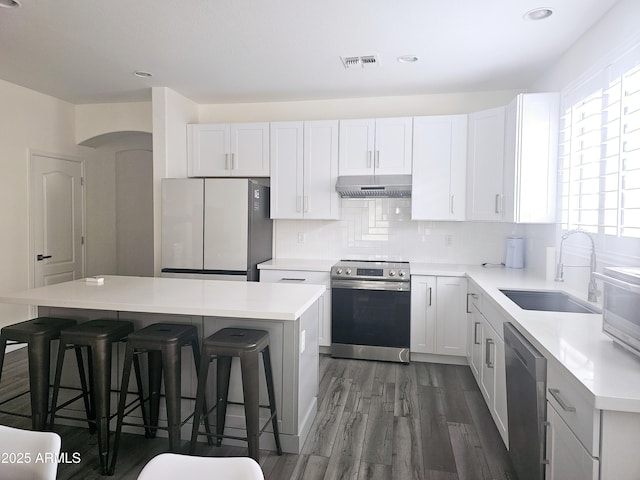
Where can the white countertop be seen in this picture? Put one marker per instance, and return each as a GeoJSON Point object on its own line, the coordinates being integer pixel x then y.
{"type": "Point", "coordinates": [311, 265]}
{"type": "Point", "coordinates": [214, 298]}
{"type": "Point", "coordinates": [572, 341]}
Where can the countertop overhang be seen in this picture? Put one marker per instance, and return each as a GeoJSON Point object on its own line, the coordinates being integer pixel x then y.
{"type": "Point", "coordinates": [214, 298]}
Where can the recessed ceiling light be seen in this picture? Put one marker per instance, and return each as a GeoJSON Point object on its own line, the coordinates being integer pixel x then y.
{"type": "Point", "coordinates": [408, 59]}
{"type": "Point", "coordinates": [10, 3]}
{"type": "Point", "coordinates": [538, 14]}
{"type": "Point", "coordinates": [142, 74]}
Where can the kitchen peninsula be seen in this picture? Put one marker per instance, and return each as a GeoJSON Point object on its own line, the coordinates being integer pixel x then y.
{"type": "Point", "coordinates": [288, 312]}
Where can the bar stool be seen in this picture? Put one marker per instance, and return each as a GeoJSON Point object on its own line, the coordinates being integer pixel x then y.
{"type": "Point", "coordinates": [37, 333]}
{"type": "Point", "coordinates": [247, 344]}
{"type": "Point", "coordinates": [162, 342]}
{"type": "Point", "coordinates": [98, 336]}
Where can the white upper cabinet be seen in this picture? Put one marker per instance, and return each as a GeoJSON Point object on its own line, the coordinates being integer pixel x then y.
{"type": "Point", "coordinates": [376, 146]}
{"type": "Point", "coordinates": [228, 150]}
{"type": "Point", "coordinates": [512, 161]}
{"type": "Point", "coordinates": [530, 162]}
{"type": "Point", "coordinates": [304, 170]}
{"type": "Point", "coordinates": [485, 157]}
{"type": "Point", "coordinates": [439, 167]}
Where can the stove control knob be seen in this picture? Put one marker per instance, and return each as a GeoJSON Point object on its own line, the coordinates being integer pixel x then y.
{"type": "Point", "coordinates": [339, 271]}
{"type": "Point", "coordinates": [392, 273]}
{"type": "Point", "coordinates": [402, 273]}
{"type": "Point", "coordinates": [348, 271]}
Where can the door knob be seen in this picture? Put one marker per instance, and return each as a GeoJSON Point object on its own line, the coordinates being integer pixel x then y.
{"type": "Point", "coordinates": [41, 257]}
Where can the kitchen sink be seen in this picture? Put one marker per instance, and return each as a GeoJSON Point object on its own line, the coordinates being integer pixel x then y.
{"type": "Point", "coordinates": [548, 301]}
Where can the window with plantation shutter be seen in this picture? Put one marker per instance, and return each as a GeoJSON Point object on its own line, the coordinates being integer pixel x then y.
{"type": "Point", "coordinates": [599, 168]}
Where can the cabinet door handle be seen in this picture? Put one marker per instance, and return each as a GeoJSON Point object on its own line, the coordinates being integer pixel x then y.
{"type": "Point", "coordinates": [305, 203]}
{"type": "Point", "coordinates": [472, 295]}
{"type": "Point", "coordinates": [234, 162]}
{"type": "Point", "coordinates": [475, 333]}
{"type": "Point", "coordinates": [298, 203]}
{"type": "Point", "coordinates": [377, 158]}
{"type": "Point", "coordinates": [369, 153]}
{"type": "Point", "coordinates": [546, 458]}
{"type": "Point", "coordinates": [555, 393]}
{"type": "Point", "coordinates": [429, 290]}
{"type": "Point", "coordinates": [451, 204]}
{"type": "Point", "coordinates": [226, 161]}
{"type": "Point", "coordinates": [291, 279]}
{"type": "Point", "coordinates": [487, 358]}
{"type": "Point", "coordinates": [497, 205]}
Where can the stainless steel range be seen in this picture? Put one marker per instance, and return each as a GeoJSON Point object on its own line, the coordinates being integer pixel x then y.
{"type": "Point", "coordinates": [371, 310]}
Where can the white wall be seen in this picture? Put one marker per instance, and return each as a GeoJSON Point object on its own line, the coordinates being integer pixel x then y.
{"type": "Point", "coordinates": [28, 120]}
{"type": "Point", "coordinates": [94, 120]}
{"type": "Point", "coordinates": [372, 107]}
{"type": "Point", "coordinates": [171, 113]}
{"type": "Point", "coordinates": [617, 28]}
{"type": "Point", "coordinates": [134, 212]}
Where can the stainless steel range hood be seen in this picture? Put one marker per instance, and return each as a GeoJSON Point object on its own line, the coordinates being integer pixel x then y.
{"type": "Point", "coordinates": [366, 186]}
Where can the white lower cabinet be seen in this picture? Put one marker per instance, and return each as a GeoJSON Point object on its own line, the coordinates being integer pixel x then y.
{"type": "Point", "coordinates": [486, 356]}
{"type": "Point", "coordinates": [438, 315]}
{"type": "Point", "coordinates": [308, 278]}
{"type": "Point", "coordinates": [567, 457]}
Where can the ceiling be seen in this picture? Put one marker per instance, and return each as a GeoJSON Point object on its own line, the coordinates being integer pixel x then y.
{"type": "Point", "coordinates": [224, 51]}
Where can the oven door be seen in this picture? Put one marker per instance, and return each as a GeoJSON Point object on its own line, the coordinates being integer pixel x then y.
{"type": "Point", "coordinates": [374, 313]}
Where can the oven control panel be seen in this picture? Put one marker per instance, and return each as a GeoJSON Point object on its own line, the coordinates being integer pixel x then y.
{"type": "Point", "coordinates": [374, 270]}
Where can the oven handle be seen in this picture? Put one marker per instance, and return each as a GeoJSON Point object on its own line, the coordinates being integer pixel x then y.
{"type": "Point", "coordinates": [371, 285]}
{"type": "Point", "coordinates": [618, 283]}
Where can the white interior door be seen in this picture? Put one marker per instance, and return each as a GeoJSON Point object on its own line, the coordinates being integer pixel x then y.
{"type": "Point", "coordinates": [56, 219]}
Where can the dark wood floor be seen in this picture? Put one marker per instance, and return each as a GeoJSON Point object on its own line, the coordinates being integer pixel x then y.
{"type": "Point", "coordinates": [375, 421]}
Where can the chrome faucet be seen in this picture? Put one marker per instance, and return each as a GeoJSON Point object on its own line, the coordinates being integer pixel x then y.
{"type": "Point", "coordinates": [592, 293]}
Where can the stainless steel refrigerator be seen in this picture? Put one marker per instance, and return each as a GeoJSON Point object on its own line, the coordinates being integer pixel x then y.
{"type": "Point", "coordinates": [217, 228]}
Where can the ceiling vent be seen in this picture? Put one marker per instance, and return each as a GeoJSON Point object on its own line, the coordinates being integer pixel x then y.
{"type": "Point", "coordinates": [363, 61]}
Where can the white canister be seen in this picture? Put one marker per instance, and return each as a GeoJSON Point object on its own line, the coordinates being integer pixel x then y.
{"type": "Point", "coordinates": [514, 257]}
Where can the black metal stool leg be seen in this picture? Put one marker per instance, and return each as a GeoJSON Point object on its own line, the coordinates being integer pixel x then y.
{"type": "Point", "coordinates": [126, 373]}
{"type": "Point", "coordinates": [172, 364]}
{"type": "Point", "coordinates": [102, 354]}
{"type": "Point", "coordinates": [203, 371]}
{"type": "Point", "coordinates": [196, 360]}
{"type": "Point", "coordinates": [143, 409]}
{"type": "Point", "coordinates": [155, 383]}
{"type": "Point", "coordinates": [39, 358]}
{"type": "Point", "coordinates": [268, 375]}
{"type": "Point", "coordinates": [223, 367]}
{"type": "Point", "coordinates": [251, 389]}
{"type": "Point", "coordinates": [3, 347]}
{"type": "Point", "coordinates": [56, 382]}
{"type": "Point", "coordinates": [85, 390]}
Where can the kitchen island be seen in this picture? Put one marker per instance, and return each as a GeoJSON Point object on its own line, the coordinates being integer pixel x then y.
{"type": "Point", "coordinates": [288, 312]}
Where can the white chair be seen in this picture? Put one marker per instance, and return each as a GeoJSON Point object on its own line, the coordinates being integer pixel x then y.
{"type": "Point", "coordinates": [172, 465]}
{"type": "Point", "coordinates": [28, 455]}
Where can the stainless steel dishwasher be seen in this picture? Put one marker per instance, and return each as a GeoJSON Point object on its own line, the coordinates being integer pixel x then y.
{"type": "Point", "coordinates": [526, 374]}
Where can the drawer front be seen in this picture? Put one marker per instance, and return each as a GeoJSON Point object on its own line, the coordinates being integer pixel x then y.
{"type": "Point", "coordinates": [295, 276]}
{"type": "Point", "coordinates": [575, 409]}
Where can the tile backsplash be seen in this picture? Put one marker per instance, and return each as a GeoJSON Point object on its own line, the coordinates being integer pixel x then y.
{"type": "Point", "coordinates": [382, 228]}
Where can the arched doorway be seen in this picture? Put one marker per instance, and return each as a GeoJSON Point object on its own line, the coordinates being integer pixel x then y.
{"type": "Point", "coordinates": [119, 189]}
